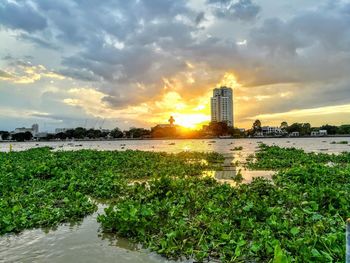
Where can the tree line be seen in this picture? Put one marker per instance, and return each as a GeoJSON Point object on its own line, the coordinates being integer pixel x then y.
{"type": "Point", "coordinates": [303, 129]}
{"type": "Point", "coordinates": [213, 129]}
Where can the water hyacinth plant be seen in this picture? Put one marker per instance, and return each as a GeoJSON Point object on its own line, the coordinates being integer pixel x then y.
{"type": "Point", "coordinates": [297, 217]}
{"type": "Point", "coordinates": [39, 187]}
{"type": "Point", "coordinates": [163, 202]}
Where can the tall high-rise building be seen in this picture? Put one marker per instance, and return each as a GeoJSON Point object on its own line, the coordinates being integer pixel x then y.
{"type": "Point", "coordinates": [222, 105]}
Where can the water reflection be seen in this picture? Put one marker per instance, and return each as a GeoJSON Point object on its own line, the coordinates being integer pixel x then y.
{"type": "Point", "coordinates": [233, 173]}
{"type": "Point", "coordinates": [233, 177]}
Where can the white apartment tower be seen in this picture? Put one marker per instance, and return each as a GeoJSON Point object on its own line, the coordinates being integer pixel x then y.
{"type": "Point", "coordinates": [222, 105]}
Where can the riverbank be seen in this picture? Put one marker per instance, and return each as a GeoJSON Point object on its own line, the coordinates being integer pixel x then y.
{"type": "Point", "coordinates": [171, 138]}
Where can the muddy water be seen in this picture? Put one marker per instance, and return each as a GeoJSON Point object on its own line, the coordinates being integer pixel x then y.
{"type": "Point", "coordinates": [218, 145]}
{"type": "Point", "coordinates": [82, 242]}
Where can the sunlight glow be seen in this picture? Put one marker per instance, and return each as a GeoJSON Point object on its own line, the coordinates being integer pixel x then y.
{"type": "Point", "coordinates": [191, 120]}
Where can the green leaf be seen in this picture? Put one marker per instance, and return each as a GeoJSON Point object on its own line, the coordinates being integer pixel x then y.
{"type": "Point", "coordinates": [280, 256]}
{"type": "Point", "coordinates": [294, 231]}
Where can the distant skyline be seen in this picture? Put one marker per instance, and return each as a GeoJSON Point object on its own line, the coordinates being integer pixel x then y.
{"type": "Point", "coordinates": [72, 63]}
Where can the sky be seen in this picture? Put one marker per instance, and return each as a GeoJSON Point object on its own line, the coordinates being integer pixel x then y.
{"type": "Point", "coordinates": [117, 63]}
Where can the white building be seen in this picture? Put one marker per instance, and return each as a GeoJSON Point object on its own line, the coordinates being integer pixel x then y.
{"type": "Point", "coordinates": [222, 105]}
{"type": "Point", "coordinates": [323, 132]}
{"type": "Point", "coordinates": [294, 134]}
{"type": "Point", "coordinates": [269, 130]}
{"type": "Point", "coordinates": [319, 133]}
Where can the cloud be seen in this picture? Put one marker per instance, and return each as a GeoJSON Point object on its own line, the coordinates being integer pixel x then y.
{"type": "Point", "coordinates": [79, 74]}
{"type": "Point", "coordinates": [306, 113]}
{"type": "Point", "coordinates": [21, 15]}
{"type": "Point", "coordinates": [38, 41]}
{"type": "Point", "coordinates": [4, 75]}
{"type": "Point", "coordinates": [244, 10]}
{"type": "Point", "coordinates": [23, 72]}
{"type": "Point", "coordinates": [200, 17]}
{"type": "Point", "coordinates": [133, 54]}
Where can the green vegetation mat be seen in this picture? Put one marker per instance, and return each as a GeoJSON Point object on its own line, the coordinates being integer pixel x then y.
{"type": "Point", "coordinates": [298, 217]}
{"type": "Point", "coordinates": [39, 187]}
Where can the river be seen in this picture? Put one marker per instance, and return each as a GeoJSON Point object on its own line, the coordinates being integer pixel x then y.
{"type": "Point", "coordinates": [84, 242]}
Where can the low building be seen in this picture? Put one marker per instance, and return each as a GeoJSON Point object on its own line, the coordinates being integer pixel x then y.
{"type": "Point", "coordinates": [319, 133]}
{"type": "Point", "coordinates": [258, 134]}
{"type": "Point", "coordinates": [294, 134]}
{"type": "Point", "coordinates": [323, 133]}
{"type": "Point", "coordinates": [270, 130]}
{"type": "Point", "coordinates": [315, 133]}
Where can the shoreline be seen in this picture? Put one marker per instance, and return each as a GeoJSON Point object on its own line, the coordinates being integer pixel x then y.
{"type": "Point", "coordinates": [169, 138]}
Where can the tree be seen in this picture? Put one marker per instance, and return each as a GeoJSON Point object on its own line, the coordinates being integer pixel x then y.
{"type": "Point", "coordinates": [235, 132]}
{"type": "Point", "coordinates": [164, 132]}
{"type": "Point", "coordinates": [344, 129]}
{"type": "Point", "coordinates": [305, 129]}
{"type": "Point", "coordinates": [22, 136]}
{"type": "Point", "coordinates": [302, 128]}
{"type": "Point", "coordinates": [92, 133]}
{"type": "Point", "coordinates": [70, 134]}
{"type": "Point", "coordinates": [137, 133]}
{"type": "Point", "coordinates": [330, 129]}
{"type": "Point", "coordinates": [284, 125]}
{"type": "Point", "coordinates": [61, 135]}
{"type": "Point", "coordinates": [116, 133]}
{"type": "Point", "coordinates": [5, 135]}
{"type": "Point", "coordinates": [219, 128]}
{"type": "Point", "coordinates": [79, 133]}
{"type": "Point", "coordinates": [256, 126]}
{"type": "Point", "coordinates": [295, 127]}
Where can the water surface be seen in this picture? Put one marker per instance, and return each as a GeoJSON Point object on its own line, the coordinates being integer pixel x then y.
{"type": "Point", "coordinates": [84, 242]}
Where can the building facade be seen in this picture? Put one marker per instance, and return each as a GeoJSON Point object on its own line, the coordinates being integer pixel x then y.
{"type": "Point", "coordinates": [269, 130]}
{"type": "Point", "coordinates": [33, 130]}
{"type": "Point", "coordinates": [222, 105]}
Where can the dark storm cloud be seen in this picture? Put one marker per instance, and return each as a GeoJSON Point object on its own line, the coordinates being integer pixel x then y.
{"type": "Point", "coordinates": [21, 15]}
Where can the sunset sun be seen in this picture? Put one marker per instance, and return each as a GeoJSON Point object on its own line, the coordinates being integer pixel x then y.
{"type": "Point", "coordinates": [192, 121]}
